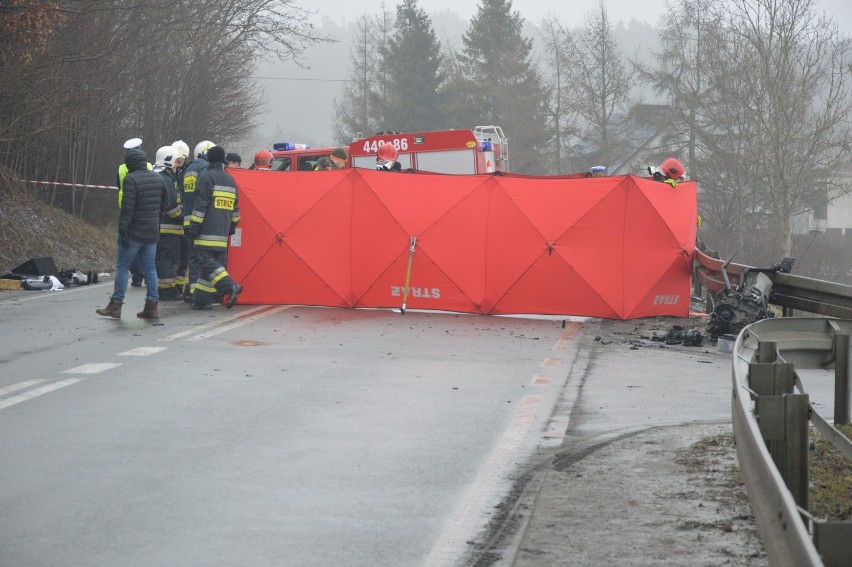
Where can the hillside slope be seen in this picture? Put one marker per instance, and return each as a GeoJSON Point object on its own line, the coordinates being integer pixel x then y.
{"type": "Point", "coordinates": [30, 228]}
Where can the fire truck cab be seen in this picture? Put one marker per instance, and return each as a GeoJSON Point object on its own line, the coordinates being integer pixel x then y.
{"type": "Point", "coordinates": [482, 150]}
{"type": "Point", "coordinates": [287, 156]}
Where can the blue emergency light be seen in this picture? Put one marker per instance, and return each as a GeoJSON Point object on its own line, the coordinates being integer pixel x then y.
{"type": "Point", "coordinates": [284, 146]}
{"type": "Point", "coordinates": [486, 146]}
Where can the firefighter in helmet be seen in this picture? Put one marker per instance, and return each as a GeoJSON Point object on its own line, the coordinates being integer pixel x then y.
{"type": "Point", "coordinates": [214, 218]}
{"type": "Point", "coordinates": [191, 176]}
{"type": "Point", "coordinates": [168, 161]}
{"type": "Point", "coordinates": [670, 171]}
{"type": "Point", "coordinates": [263, 160]}
{"type": "Point", "coordinates": [386, 158]}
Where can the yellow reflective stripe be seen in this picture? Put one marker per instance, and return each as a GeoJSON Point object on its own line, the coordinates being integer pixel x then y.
{"type": "Point", "coordinates": [174, 213]}
{"type": "Point", "coordinates": [203, 287]}
{"type": "Point", "coordinates": [218, 278]}
{"type": "Point", "coordinates": [203, 242]}
{"type": "Point", "coordinates": [164, 230]}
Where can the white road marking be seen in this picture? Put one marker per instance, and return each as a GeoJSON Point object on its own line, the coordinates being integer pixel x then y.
{"type": "Point", "coordinates": [19, 386]}
{"type": "Point", "coordinates": [471, 515]}
{"type": "Point", "coordinates": [215, 323]}
{"type": "Point", "coordinates": [37, 392]}
{"type": "Point", "coordinates": [239, 323]}
{"type": "Point", "coordinates": [142, 351]}
{"type": "Point", "coordinates": [92, 368]}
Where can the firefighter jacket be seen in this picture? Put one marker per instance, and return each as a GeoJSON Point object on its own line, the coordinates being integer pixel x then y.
{"type": "Point", "coordinates": [216, 211]}
{"type": "Point", "coordinates": [171, 219]}
{"type": "Point", "coordinates": [191, 176]}
{"type": "Point", "coordinates": [144, 198]}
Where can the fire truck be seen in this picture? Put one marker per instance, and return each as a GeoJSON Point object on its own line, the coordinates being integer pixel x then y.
{"type": "Point", "coordinates": [484, 149]}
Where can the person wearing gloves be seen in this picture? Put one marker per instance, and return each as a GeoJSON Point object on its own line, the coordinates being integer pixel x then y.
{"type": "Point", "coordinates": [214, 219]}
{"type": "Point", "coordinates": [138, 232]}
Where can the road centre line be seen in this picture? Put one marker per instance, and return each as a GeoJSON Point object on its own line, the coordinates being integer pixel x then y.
{"type": "Point", "coordinates": [38, 392]}
{"type": "Point", "coordinates": [239, 323]}
{"type": "Point", "coordinates": [215, 323]}
{"type": "Point", "coordinates": [142, 351]}
{"type": "Point", "coordinates": [20, 386]}
{"type": "Point", "coordinates": [92, 368]}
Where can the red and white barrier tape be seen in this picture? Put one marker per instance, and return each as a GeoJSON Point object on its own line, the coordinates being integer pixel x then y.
{"type": "Point", "coordinates": [71, 184]}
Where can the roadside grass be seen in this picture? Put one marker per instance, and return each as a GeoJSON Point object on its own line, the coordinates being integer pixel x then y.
{"type": "Point", "coordinates": [830, 496]}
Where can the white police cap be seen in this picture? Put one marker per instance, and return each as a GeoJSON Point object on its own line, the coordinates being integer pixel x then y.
{"type": "Point", "coordinates": [133, 143]}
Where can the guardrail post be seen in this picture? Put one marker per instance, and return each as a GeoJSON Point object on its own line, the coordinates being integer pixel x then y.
{"type": "Point", "coordinates": [842, 379]}
{"type": "Point", "coordinates": [767, 351]}
{"type": "Point", "coordinates": [771, 379]}
{"type": "Point", "coordinates": [832, 542]}
{"type": "Point", "coordinates": [795, 471]}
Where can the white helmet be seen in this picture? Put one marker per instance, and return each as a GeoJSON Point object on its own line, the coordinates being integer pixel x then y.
{"type": "Point", "coordinates": [182, 148]}
{"type": "Point", "coordinates": [166, 156]}
{"type": "Point", "coordinates": [202, 147]}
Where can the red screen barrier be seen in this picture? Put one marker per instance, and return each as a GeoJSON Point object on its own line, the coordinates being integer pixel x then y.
{"type": "Point", "coordinates": [612, 247]}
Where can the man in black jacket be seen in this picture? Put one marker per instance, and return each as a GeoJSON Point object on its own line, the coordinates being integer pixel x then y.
{"type": "Point", "coordinates": [138, 232]}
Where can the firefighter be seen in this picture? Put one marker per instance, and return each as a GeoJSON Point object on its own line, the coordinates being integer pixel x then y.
{"type": "Point", "coordinates": [233, 160]}
{"type": "Point", "coordinates": [182, 278]}
{"type": "Point", "coordinates": [167, 163]}
{"type": "Point", "coordinates": [214, 218]}
{"type": "Point", "coordinates": [324, 164]}
{"type": "Point", "coordinates": [386, 158]}
{"type": "Point", "coordinates": [670, 171]}
{"type": "Point", "coordinates": [190, 180]}
{"type": "Point", "coordinates": [338, 158]}
{"type": "Point", "coordinates": [263, 160]}
{"type": "Point", "coordinates": [138, 233]}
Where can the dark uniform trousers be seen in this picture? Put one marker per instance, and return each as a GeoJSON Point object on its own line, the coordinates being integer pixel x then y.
{"type": "Point", "coordinates": [168, 258]}
{"type": "Point", "coordinates": [212, 276]}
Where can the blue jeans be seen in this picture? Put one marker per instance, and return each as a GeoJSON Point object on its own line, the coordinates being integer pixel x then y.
{"type": "Point", "coordinates": [147, 252]}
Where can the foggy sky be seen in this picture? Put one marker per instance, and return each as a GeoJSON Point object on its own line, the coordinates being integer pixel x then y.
{"type": "Point", "coordinates": [300, 100]}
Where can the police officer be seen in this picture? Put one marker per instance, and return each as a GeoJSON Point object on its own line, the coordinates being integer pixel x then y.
{"type": "Point", "coordinates": [214, 218]}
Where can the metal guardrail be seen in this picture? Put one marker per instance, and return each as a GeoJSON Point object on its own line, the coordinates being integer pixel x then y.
{"type": "Point", "coordinates": [770, 425]}
{"type": "Point", "coordinates": [788, 291]}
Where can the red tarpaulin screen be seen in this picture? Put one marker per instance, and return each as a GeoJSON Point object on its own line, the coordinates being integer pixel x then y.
{"type": "Point", "coordinates": [613, 247]}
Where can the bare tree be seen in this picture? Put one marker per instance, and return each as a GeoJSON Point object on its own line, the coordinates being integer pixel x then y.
{"type": "Point", "coordinates": [560, 56]}
{"type": "Point", "coordinates": [800, 96]}
{"type": "Point", "coordinates": [360, 110]}
{"type": "Point", "coordinates": [80, 77]}
{"type": "Point", "coordinates": [600, 85]}
{"type": "Point", "coordinates": [761, 90]}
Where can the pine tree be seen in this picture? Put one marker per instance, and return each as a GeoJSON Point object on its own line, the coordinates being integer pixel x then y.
{"type": "Point", "coordinates": [413, 63]}
{"type": "Point", "coordinates": [507, 88]}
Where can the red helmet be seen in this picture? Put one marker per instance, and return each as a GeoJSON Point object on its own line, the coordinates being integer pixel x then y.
{"type": "Point", "coordinates": [672, 168]}
{"type": "Point", "coordinates": [263, 160]}
{"type": "Point", "coordinates": [387, 152]}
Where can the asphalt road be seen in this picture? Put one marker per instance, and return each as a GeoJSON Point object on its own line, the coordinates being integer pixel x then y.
{"type": "Point", "coordinates": [264, 435]}
{"type": "Point", "coordinates": [275, 435]}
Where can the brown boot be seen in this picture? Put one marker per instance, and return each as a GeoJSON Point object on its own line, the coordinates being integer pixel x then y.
{"type": "Point", "coordinates": [111, 310]}
{"type": "Point", "coordinates": [150, 311]}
